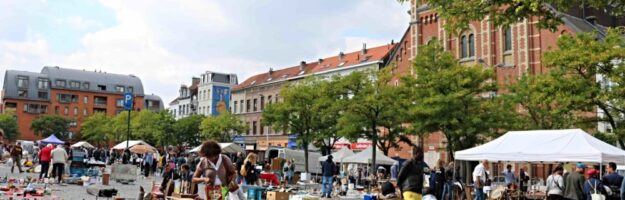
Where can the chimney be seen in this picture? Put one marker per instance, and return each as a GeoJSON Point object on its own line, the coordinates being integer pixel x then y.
{"type": "Point", "coordinates": [270, 71]}
{"type": "Point", "coordinates": [392, 41]}
{"type": "Point", "coordinates": [592, 20]}
{"type": "Point", "coordinates": [320, 60]}
{"type": "Point", "coordinates": [341, 56]}
{"type": "Point", "coordinates": [364, 49]}
{"type": "Point", "coordinates": [302, 65]}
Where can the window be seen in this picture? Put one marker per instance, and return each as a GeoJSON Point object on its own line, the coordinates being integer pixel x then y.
{"type": "Point", "coordinates": [22, 82]}
{"type": "Point", "coordinates": [255, 104]}
{"type": "Point", "coordinates": [60, 83]}
{"type": "Point", "coordinates": [247, 106]}
{"type": "Point", "coordinates": [119, 103]}
{"type": "Point", "coordinates": [22, 93]}
{"type": "Point", "coordinates": [507, 40]}
{"type": "Point", "coordinates": [235, 107]}
{"type": "Point", "coordinates": [84, 112]}
{"type": "Point", "coordinates": [67, 98]}
{"type": "Point", "coordinates": [99, 100]}
{"type": "Point", "coordinates": [35, 108]}
{"type": "Point", "coordinates": [249, 124]}
{"type": "Point", "coordinates": [131, 89]}
{"type": "Point", "coordinates": [43, 84]}
{"type": "Point", "coordinates": [74, 84]}
{"type": "Point", "coordinates": [269, 99]}
{"type": "Point", "coordinates": [75, 111]}
{"type": "Point", "coordinates": [73, 123]}
{"type": "Point", "coordinates": [102, 87]}
{"type": "Point", "coordinates": [56, 110]}
{"type": "Point", "coordinates": [42, 95]}
{"type": "Point", "coordinates": [119, 88]}
{"type": "Point", "coordinates": [254, 128]}
{"type": "Point", "coordinates": [241, 104]}
{"type": "Point", "coordinates": [85, 85]}
{"type": "Point", "coordinates": [85, 99]}
{"type": "Point", "coordinates": [66, 110]}
{"type": "Point", "coordinates": [471, 45]}
{"type": "Point", "coordinates": [262, 103]}
{"type": "Point", "coordinates": [262, 129]}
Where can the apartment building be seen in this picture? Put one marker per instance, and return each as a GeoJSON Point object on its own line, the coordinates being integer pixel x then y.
{"type": "Point", "coordinates": [71, 93]}
{"type": "Point", "coordinates": [250, 97]}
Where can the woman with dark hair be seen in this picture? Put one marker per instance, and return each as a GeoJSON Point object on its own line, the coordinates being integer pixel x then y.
{"type": "Point", "coordinates": [555, 184]}
{"type": "Point", "coordinates": [215, 170]}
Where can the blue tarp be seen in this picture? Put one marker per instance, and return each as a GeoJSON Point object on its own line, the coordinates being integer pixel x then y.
{"type": "Point", "coordinates": [52, 140]}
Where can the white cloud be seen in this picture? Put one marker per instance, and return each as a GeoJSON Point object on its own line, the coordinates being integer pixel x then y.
{"type": "Point", "coordinates": [78, 23]}
{"type": "Point", "coordinates": [166, 43]}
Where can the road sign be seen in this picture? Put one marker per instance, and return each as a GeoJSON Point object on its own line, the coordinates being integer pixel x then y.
{"type": "Point", "coordinates": [128, 99]}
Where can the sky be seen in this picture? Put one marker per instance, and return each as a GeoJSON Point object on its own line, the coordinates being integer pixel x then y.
{"type": "Point", "coordinates": [167, 43]}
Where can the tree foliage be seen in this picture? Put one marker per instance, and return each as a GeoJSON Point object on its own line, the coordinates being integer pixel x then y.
{"type": "Point", "coordinates": [152, 127]}
{"type": "Point", "coordinates": [297, 113]}
{"type": "Point", "coordinates": [47, 125]}
{"type": "Point", "coordinates": [221, 127]}
{"type": "Point", "coordinates": [372, 105]}
{"type": "Point", "coordinates": [8, 124]}
{"type": "Point", "coordinates": [187, 130]}
{"type": "Point", "coordinates": [454, 99]}
{"type": "Point", "coordinates": [96, 129]}
{"type": "Point", "coordinates": [592, 65]}
{"type": "Point", "coordinates": [459, 13]}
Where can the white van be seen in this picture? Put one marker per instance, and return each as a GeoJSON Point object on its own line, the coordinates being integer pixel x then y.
{"type": "Point", "coordinates": [298, 155]}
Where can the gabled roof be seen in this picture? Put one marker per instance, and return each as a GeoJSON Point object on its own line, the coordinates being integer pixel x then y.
{"type": "Point", "coordinates": [375, 54]}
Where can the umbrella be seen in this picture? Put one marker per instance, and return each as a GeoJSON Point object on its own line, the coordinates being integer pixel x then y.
{"type": "Point", "coordinates": [141, 148]}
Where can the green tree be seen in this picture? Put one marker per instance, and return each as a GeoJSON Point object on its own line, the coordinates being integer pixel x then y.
{"type": "Point", "coordinates": [47, 125]}
{"type": "Point", "coordinates": [222, 127]}
{"type": "Point", "coordinates": [454, 99]}
{"type": "Point", "coordinates": [119, 126]}
{"type": "Point", "coordinates": [596, 67]}
{"type": "Point", "coordinates": [459, 13]}
{"type": "Point", "coordinates": [372, 105]}
{"type": "Point", "coordinates": [150, 126]}
{"type": "Point", "coordinates": [96, 128]}
{"type": "Point", "coordinates": [187, 130]}
{"type": "Point", "coordinates": [297, 112]}
{"type": "Point", "coordinates": [8, 124]}
{"type": "Point", "coordinates": [329, 106]}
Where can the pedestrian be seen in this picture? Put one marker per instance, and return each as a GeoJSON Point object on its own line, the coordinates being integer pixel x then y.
{"type": "Point", "coordinates": [215, 170]}
{"type": "Point", "coordinates": [248, 171]}
{"type": "Point", "coordinates": [593, 185]}
{"type": "Point", "coordinates": [479, 179]}
{"type": "Point", "coordinates": [410, 178]}
{"type": "Point", "coordinates": [16, 155]}
{"type": "Point", "coordinates": [289, 171]}
{"type": "Point", "coordinates": [574, 183]}
{"type": "Point", "coordinates": [509, 177]}
{"type": "Point", "coordinates": [437, 179]}
{"type": "Point", "coordinates": [523, 179]}
{"type": "Point", "coordinates": [555, 184]}
{"type": "Point", "coordinates": [239, 164]}
{"type": "Point", "coordinates": [147, 163]}
{"type": "Point", "coordinates": [613, 180]}
{"type": "Point", "coordinates": [394, 171]}
{"type": "Point", "coordinates": [327, 169]}
{"type": "Point", "coordinates": [44, 160]}
{"type": "Point", "coordinates": [59, 158]}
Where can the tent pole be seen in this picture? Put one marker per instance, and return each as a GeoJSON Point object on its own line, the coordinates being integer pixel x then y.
{"type": "Point", "coordinates": [601, 168]}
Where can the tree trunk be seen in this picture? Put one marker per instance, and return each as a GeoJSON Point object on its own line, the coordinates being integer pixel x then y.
{"type": "Point", "coordinates": [374, 141]}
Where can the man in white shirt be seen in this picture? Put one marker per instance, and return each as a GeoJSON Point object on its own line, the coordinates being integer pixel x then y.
{"type": "Point", "coordinates": [479, 178]}
{"type": "Point", "coordinates": [59, 158]}
{"type": "Point", "coordinates": [508, 175]}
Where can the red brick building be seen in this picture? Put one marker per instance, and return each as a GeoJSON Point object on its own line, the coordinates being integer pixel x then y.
{"type": "Point", "coordinates": [73, 94]}
{"type": "Point", "coordinates": [511, 51]}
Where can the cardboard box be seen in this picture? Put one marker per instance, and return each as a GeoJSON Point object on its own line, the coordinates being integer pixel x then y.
{"type": "Point", "coordinates": [278, 195]}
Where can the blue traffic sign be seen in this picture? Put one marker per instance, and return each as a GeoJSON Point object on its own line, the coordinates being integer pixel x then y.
{"type": "Point", "coordinates": [128, 99]}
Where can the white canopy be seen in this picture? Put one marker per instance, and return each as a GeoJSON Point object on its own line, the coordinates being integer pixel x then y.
{"type": "Point", "coordinates": [364, 157]}
{"type": "Point", "coordinates": [122, 145]}
{"type": "Point", "coordinates": [225, 148]}
{"type": "Point", "coordinates": [569, 145]}
{"type": "Point", "coordinates": [82, 144]}
{"type": "Point", "coordinates": [339, 155]}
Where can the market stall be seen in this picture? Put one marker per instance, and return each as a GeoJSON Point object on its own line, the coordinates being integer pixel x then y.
{"type": "Point", "coordinates": [339, 155]}
{"type": "Point", "coordinates": [225, 148]}
{"type": "Point", "coordinates": [52, 139]}
{"type": "Point", "coordinates": [122, 145]}
{"type": "Point", "coordinates": [82, 144]}
{"type": "Point", "coordinates": [364, 157]}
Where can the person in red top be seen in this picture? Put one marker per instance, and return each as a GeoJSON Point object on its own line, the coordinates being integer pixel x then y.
{"type": "Point", "coordinates": [44, 160]}
{"type": "Point", "coordinates": [268, 176]}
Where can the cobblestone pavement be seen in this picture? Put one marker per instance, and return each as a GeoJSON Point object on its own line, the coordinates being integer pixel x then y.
{"type": "Point", "coordinates": [76, 192]}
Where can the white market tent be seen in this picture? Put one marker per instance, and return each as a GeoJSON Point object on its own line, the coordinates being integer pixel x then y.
{"type": "Point", "coordinates": [82, 144]}
{"type": "Point", "coordinates": [569, 145]}
{"type": "Point", "coordinates": [364, 157]}
{"type": "Point", "coordinates": [339, 155]}
{"type": "Point", "coordinates": [225, 148]}
{"type": "Point", "coordinates": [122, 145]}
